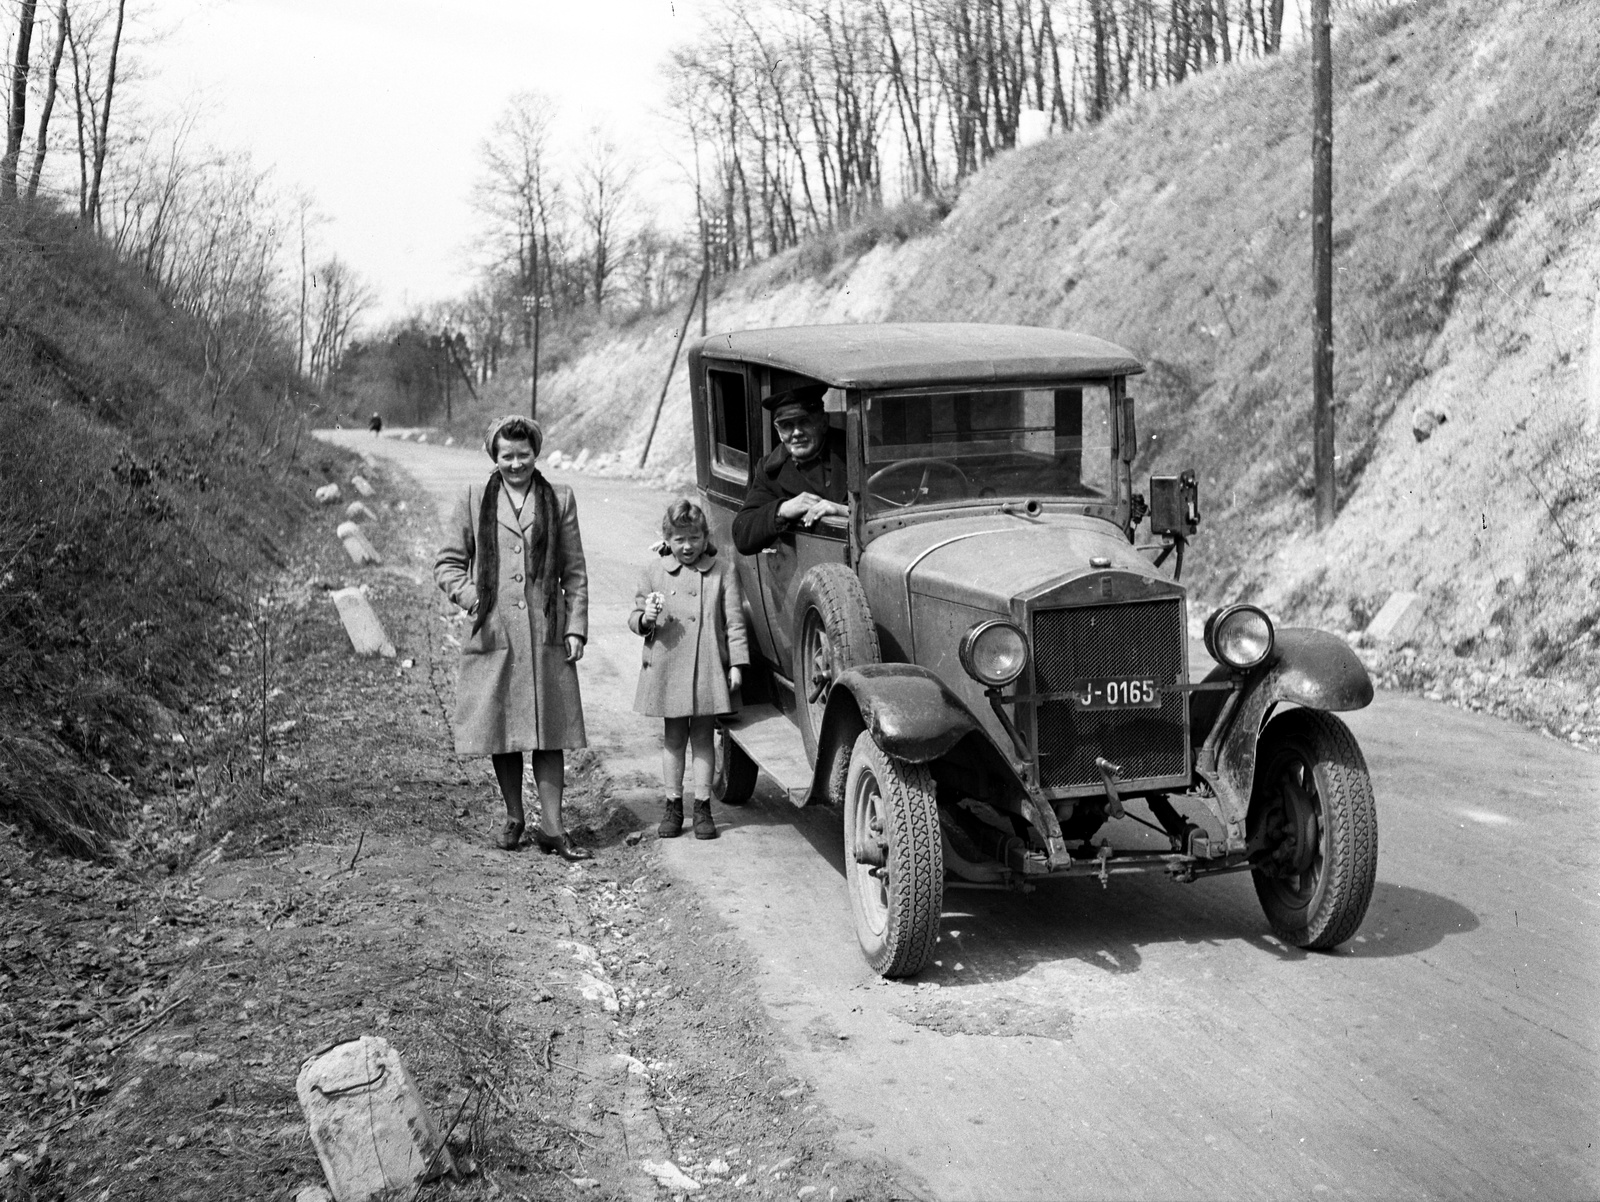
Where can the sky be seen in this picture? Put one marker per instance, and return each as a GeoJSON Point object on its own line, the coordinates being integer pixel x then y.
{"type": "Point", "coordinates": [377, 108]}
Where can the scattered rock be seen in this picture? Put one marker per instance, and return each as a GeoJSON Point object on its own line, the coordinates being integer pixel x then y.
{"type": "Point", "coordinates": [359, 483]}
{"type": "Point", "coordinates": [632, 838]}
{"type": "Point", "coordinates": [328, 494]}
{"type": "Point", "coordinates": [357, 512]}
{"type": "Point", "coordinates": [356, 545]}
{"type": "Point", "coordinates": [367, 636]}
{"type": "Point", "coordinates": [1398, 620]}
{"type": "Point", "coordinates": [312, 1193]}
{"type": "Point", "coordinates": [1425, 419]}
{"type": "Point", "coordinates": [670, 1175]}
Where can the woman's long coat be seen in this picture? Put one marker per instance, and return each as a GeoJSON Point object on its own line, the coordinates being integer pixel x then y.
{"type": "Point", "coordinates": [698, 637]}
{"type": "Point", "coordinates": [517, 690]}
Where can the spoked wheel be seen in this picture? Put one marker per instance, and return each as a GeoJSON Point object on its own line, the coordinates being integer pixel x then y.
{"type": "Point", "coordinates": [735, 781]}
{"type": "Point", "coordinates": [833, 632]}
{"type": "Point", "coordinates": [1313, 815]}
{"type": "Point", "coordinates": [894, 859]}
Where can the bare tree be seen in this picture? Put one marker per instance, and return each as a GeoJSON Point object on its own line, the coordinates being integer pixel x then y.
{"type": "Point", "coordinates": [17, 112]}
{"type": "Point", "coordinates": [42, 140]}
{"type": "Point", "coordinates": [522, 196]}
{"type": "Point", "coordinates": [604, 181]}
{"type": "Point", "coordinates": [339, 299]}
{"type": "Point", "coordinates": [102, 139]}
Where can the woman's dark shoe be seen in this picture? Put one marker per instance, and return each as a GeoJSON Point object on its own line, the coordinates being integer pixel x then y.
{"type": "Point", "coordinates": [705, 826]}
{"type": "Point", "coordinates": [562, 845]}
{"type": "Point", "coordinates": [671, 819]}
{"type": "Point", "coordinates": [511, 834]}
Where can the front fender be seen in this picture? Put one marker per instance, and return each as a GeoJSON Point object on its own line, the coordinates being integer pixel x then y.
{"type": "Point", "coordinates": [1311, 668]}
{"type": "Point", "coordinates": [910, 712]}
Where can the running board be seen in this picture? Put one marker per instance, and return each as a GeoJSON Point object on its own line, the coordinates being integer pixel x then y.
{"type": "Point", "coordinates": [774, 743]}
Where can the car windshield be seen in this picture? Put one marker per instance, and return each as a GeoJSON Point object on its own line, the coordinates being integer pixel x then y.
{"type": "Point", "coordinates": [948, 447]}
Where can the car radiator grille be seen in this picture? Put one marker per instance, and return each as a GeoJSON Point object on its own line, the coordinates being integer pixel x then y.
{"type": "Point", "coordinates": [1137, 640]}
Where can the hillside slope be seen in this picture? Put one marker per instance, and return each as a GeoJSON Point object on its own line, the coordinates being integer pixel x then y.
{"type": "Point", "coordinates": [1467, 238]}
{"type": "Point", "coordinates": [142, 506]}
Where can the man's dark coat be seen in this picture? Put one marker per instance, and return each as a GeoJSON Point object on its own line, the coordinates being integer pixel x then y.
{"type": "Point", "coordinates": [777, 478]}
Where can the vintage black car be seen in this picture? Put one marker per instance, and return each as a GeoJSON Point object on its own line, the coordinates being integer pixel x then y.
{"type": "Point", "coordinates": [984, 664]}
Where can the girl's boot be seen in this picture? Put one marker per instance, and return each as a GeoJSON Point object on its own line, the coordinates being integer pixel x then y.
{"type": "Point", "coordinates": [671, 819]}
{"type": "Point", "coordinates": [705, 827]}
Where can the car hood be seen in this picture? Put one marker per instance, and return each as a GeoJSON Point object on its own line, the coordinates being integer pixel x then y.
{"type": "Point", "coordinates": [991, 560]}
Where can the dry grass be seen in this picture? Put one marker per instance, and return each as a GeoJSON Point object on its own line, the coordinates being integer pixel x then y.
{"type": "Point", "coordinates": [131, 525]}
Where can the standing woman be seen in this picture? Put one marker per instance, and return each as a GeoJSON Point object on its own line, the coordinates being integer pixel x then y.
{"type": "Point", "coordinates": [513, 559]}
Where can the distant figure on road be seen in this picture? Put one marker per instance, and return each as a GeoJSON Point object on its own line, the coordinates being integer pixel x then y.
{"type": "Point", "coordinates": [376, 424]}
{"type": "Point", "coordinates": [690, 613]}
{"type": "Point", "coordinates": [802, 480]}
{"type": "Point", "coordinates": [513, 559]}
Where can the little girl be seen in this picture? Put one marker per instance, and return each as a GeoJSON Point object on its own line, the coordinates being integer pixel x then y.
{"type": "Point", "coordinates": [690, 612]}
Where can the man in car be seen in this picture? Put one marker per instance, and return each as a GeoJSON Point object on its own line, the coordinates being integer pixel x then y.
{"type": "Point", "coordinates": [804, 477]}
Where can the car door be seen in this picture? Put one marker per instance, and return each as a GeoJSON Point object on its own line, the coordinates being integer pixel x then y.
{"type": "Point", "coordinates": [725, 408]}
{"type": "Point", "coordinates": [784, 565]}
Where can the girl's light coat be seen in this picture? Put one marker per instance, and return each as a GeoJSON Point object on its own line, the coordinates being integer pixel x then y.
{"type": "Point", "coordinates": [700, 634]}
{"type": "Point", "coordinates": [517, 690]}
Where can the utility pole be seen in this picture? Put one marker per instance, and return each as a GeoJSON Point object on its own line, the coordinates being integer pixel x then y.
{"type": "Point", "coordinates": [534, 305]}
{"type": "Point", "coordinates": [1322, 261]}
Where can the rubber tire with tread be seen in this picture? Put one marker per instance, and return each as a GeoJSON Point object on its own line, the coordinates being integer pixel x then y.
{"type": "Point", "coordinates": [1303, 746]}
{"type": "Point", "coordinates": [830, 601]}
{"type": "Point", "coordinates": [896, 917]}
{"type": "Point", "coordinates": [735, 780]}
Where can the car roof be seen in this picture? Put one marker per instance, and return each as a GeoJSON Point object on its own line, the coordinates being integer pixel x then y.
{"type": "Point", "coordinates": [917, 354]}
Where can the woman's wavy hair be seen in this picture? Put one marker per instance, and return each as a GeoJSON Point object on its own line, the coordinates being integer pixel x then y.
{"type": "Point", "coordinates": [684, 514]}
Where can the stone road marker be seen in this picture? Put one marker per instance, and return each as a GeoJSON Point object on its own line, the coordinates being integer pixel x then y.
{"type": "Point", "coordinates": [371, 1130]}
{"type": "Point", "coordinates": [328, 494]}
{"type": "Point", "coordinates": [358, 512]}
{"type": "Point", "coordinates": [1398, 620]}
{"type": "Point", "coordinates": [361, 623]}
{"type": "Point", "coordinates": [356, 544]}
{"type": "Point", "coordinates": [359, 483]}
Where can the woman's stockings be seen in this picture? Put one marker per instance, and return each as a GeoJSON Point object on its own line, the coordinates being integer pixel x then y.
{"type": "Point", "coordinates": [508, 772]}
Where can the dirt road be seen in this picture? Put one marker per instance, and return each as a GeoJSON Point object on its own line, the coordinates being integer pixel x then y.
{"type": "Point", "coordinates": [1152, 1039]}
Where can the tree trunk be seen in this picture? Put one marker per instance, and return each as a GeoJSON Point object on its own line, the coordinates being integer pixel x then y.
{"type": "Point", "coordinates": [19, 103]}
{"type": "Point", "coordinates": [49, 103]}
{"type": "Point", "coordinates": [105, 120]}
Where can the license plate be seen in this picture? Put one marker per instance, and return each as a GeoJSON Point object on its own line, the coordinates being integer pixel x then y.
{"type": "Point", "coordinates": [1116, 694]}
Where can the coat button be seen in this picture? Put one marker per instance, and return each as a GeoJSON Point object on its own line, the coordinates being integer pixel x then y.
{"type": "Point", "coordinates": [519, 605]}
{"type": "Point", "coordinates": [516, 548]}
{"type": "Point", "coordinates": [518, 577]}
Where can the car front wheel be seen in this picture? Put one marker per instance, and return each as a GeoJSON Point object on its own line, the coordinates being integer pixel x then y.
{"type": "Point", "coordinates": [1315, 826]}
{"type": "Point", "coordinates": [894, 858]}
{"type": "Point", "coordinates": [833, 633]}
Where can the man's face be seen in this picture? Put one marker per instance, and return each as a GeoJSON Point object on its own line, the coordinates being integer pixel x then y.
{"type": "Point", "coordinates": [801, 429]}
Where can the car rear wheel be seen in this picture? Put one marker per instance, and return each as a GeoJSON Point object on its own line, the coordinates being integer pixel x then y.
{"type": "Point", "coordinates": [894, 859]}
{"type": "Point", "coordinates": [833, 632]}
{"type": "Point", "coordinates": [735, 781]}
{"type": "Point", "coordinates": [1313, 813]}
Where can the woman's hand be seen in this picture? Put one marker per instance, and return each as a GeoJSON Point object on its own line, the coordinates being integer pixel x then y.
{"type": "Point", "coordinates": [735, 679]}
{"type": "Point", "coordinates": [574, 648]}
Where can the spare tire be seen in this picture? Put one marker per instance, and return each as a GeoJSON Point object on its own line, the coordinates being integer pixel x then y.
{"type": "Point", "coordinates": [833, 632]}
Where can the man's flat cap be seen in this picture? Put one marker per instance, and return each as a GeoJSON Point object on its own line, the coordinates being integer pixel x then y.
{"type": "Point", "coordinates": [809, 395]}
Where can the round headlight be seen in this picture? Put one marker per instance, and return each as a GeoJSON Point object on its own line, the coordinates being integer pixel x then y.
{"type": "Point", "coordinates": [994, 652]}
{"type": "Point", "coordinates": [1239, 636]}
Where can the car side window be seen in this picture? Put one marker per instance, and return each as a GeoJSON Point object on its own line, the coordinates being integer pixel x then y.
{"type": "Point", "coordinates": [730, 424]}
